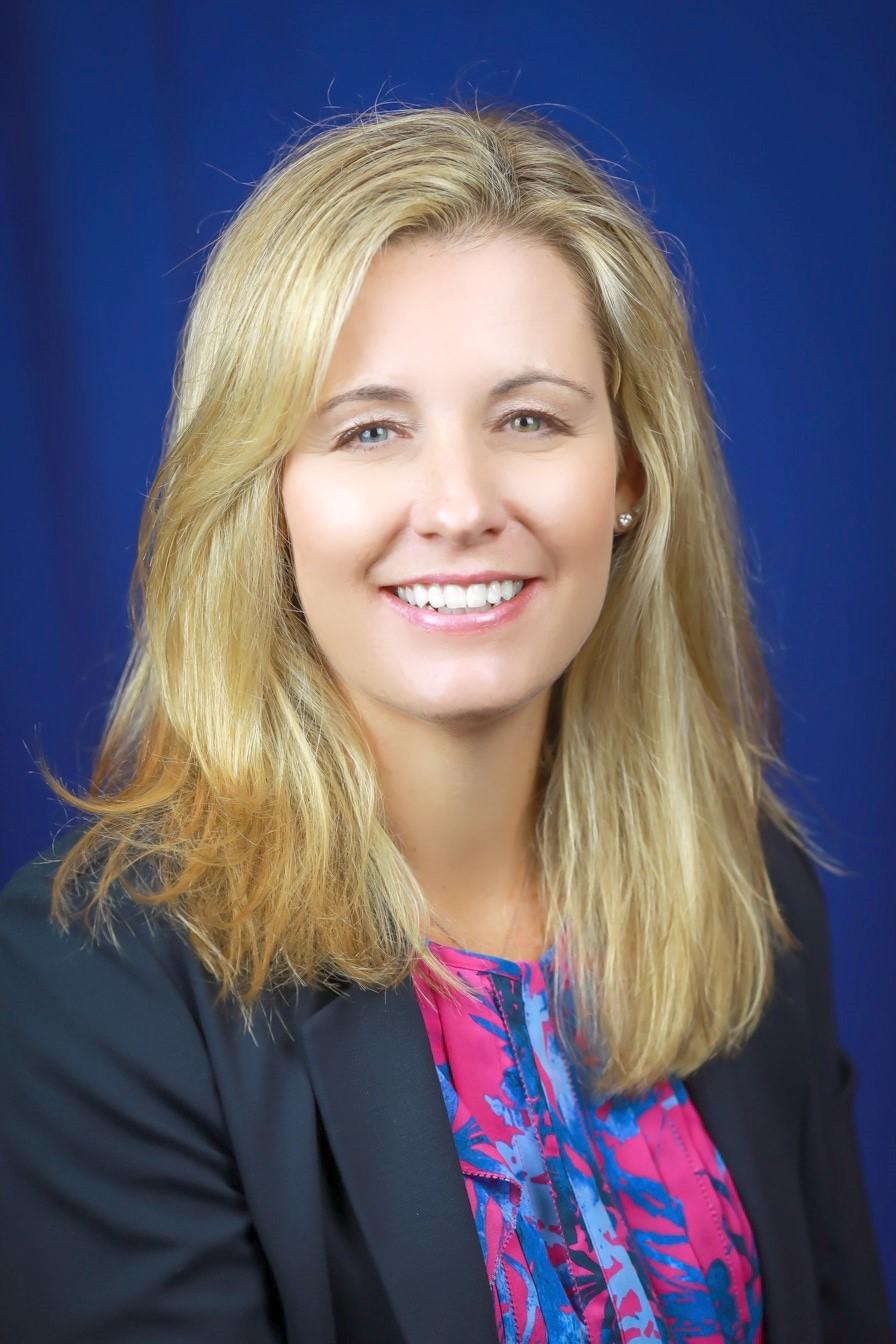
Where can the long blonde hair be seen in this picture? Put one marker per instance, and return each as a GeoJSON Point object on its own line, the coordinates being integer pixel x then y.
{"type": "Point", "coordinates": [234, 789]}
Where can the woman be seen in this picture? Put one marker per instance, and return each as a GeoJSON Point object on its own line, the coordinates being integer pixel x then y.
{"type": "Point", "coordinates": [438, 962]}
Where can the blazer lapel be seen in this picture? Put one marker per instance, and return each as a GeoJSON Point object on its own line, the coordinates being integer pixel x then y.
{"type": "Point", "coordinates": [754, 1119]}
{"type": "Point", "coordinates": [378, 1092]}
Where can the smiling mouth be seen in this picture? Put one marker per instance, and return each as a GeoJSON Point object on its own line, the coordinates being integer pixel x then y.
{"type": "Point", "coordinates": [453, 599]}
{"type": "Point", "coordinates": [466, 619]}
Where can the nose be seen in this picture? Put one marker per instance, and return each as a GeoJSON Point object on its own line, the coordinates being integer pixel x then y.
{"type": "Point", "coordinates": [458, 494]}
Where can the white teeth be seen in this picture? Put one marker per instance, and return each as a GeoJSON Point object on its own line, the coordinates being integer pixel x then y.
{"type": "Point", "coordinates": [454, 597]}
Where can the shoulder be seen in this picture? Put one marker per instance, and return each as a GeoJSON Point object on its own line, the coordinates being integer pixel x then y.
{"type": "Point", "coordinates": [803, 904]}
{"type": "Point", "coordinates": [132, 1029]}
{"type": "Point", "coordinates": [796, 884]}
{"type": "Point", "coordinates": [804, 988]}
{"type": "Point", "coordinates": [35, 948]}
{"type": "Point", "coordinates": [122, 1134]}
{"type": "Point", "coordinates": [115, 1016]}
{"type": "Point", "coordinates": [803, 974]}
{"type": "Point", "coordinates": [138, 976]}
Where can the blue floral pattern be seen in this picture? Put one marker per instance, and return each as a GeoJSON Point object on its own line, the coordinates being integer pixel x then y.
{"type": "Point", "coordinates": [609, 1221]}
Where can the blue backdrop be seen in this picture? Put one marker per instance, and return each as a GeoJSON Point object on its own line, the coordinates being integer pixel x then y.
{"type": "Point", "coordinates": [757, 137]}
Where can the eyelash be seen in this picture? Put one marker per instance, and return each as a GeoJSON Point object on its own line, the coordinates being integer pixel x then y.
{"type": "Point", "coordinates": [345, 438]}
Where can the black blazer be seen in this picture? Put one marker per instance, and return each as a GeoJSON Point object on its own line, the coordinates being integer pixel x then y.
{"type": "Point", "coordinates": [167, 1178]}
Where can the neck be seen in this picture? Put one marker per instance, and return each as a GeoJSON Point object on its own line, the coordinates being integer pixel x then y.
{"type": "Point", "coordinates": [461, 804]}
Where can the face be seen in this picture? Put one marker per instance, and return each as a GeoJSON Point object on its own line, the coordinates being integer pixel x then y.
{"type": "Point", "coordinates": [451, 474]}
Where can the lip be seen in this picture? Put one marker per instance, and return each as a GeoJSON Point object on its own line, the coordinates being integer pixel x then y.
{"type": "Point", "coordinates": [464, 580]}
{"type": "Point", "coordinates": [486, 618]}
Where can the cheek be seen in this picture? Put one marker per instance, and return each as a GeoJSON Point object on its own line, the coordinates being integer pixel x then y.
{"type": "Point", "coordinates": [326, 523]}
{"type": "Point", "coordinates": [577, 510]}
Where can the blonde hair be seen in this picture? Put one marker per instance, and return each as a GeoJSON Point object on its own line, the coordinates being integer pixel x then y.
{"type": "Point", "coordinates": [234, 789]}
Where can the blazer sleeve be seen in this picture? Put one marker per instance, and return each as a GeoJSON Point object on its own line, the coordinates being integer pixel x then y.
{"type": "Point", "coordinates": [851, 1285]}
{"type": "Point", "coordinates": [124, 1220]}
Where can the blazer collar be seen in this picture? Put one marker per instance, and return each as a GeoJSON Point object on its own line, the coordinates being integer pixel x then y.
{"type": "Point", "coordinates": [378, 1093]}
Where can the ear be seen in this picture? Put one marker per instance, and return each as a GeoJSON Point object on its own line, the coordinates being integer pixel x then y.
{"type": "Point", "coordinates": [631, 480]}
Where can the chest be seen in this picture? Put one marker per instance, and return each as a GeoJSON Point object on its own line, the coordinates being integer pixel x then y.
{"type": "Point", "coordinates": [351, 1169]}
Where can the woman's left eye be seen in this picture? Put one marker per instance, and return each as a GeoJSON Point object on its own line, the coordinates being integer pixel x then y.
{"type": "Point", "coordinates": [351, 434]}
{"type": "Point", "coordinates": [537, 415]}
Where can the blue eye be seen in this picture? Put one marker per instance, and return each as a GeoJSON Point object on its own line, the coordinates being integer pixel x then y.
{"type": "Point", "coordinates": [367, 428]}
{"type": "Point", "coordinates": [352, 434]}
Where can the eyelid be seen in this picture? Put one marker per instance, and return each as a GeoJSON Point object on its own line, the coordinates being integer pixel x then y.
{"type": "Point", "coordinates": [556, 422]}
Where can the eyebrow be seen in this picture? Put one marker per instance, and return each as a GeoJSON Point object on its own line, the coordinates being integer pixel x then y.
{"type": "Point", "coordinates": [385, 392]}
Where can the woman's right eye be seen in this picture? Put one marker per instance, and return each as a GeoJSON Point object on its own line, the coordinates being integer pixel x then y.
{"type": "Point", "coordinates": [347, 439]}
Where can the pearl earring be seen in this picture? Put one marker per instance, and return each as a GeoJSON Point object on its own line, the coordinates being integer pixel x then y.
{"type": "Point", "coordinates": [625, 520]}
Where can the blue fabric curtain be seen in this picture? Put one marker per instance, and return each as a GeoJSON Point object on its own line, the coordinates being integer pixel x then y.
{"type": "Point", "coordinates": [759, 139]}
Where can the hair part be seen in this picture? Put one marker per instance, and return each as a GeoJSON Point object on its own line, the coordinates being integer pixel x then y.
{"type": "Point", "coordinates": [234, 791]}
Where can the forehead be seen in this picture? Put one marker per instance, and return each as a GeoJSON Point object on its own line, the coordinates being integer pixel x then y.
{"type": "Point", "coordinates": [500, 267]}
{"type": "Point", "coordinates": [470, 310]}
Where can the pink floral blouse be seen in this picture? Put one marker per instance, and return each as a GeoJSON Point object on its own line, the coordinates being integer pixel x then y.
{"type": "Point", "coordinates": [612, 1221]}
